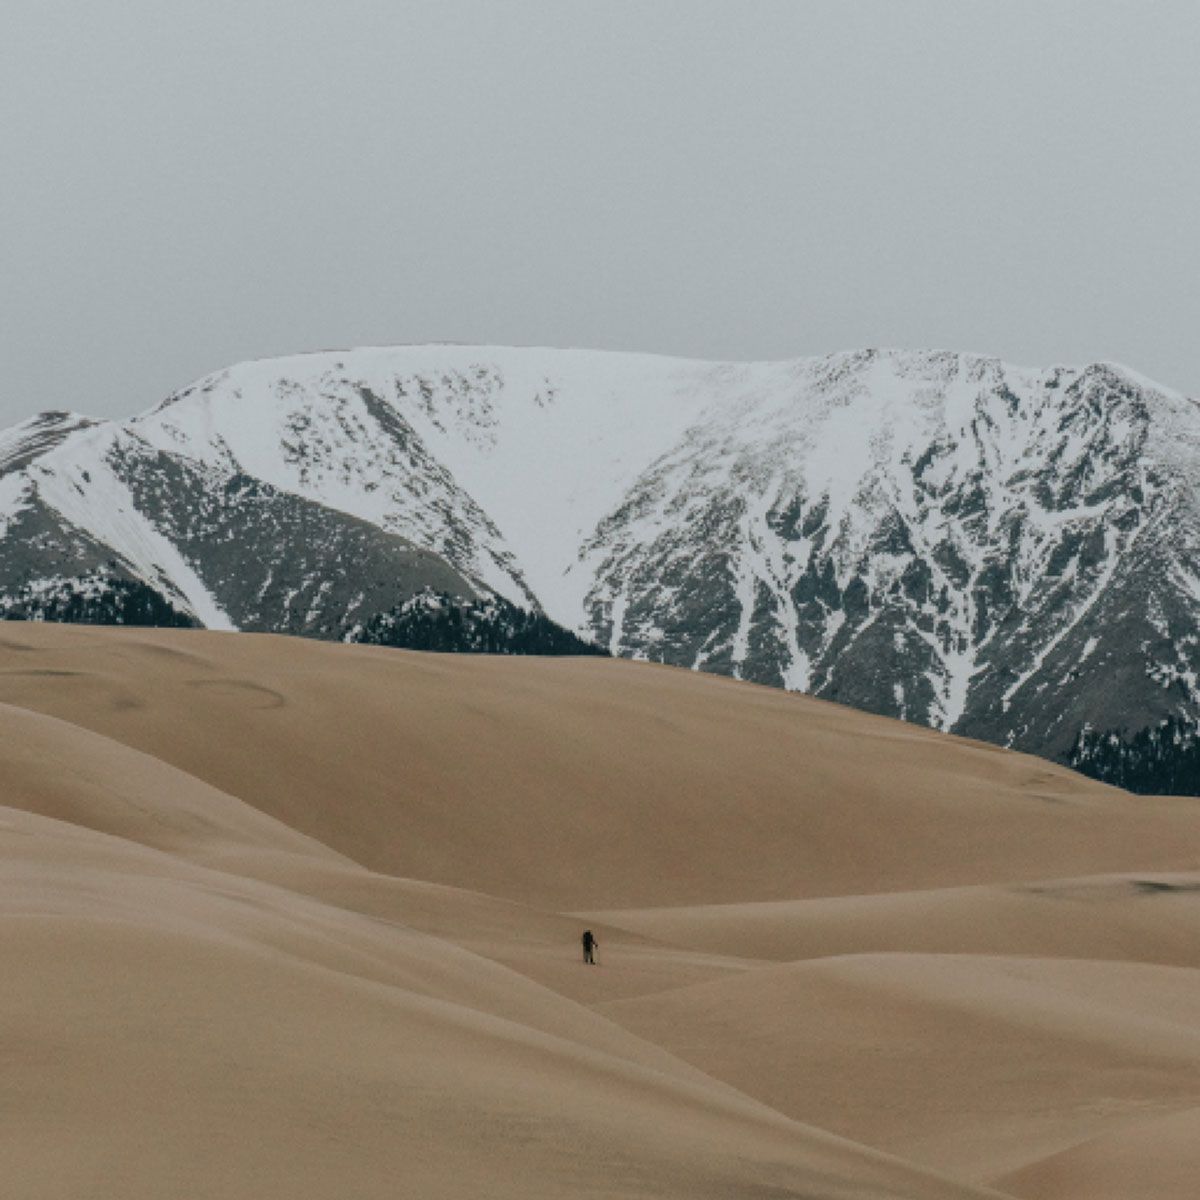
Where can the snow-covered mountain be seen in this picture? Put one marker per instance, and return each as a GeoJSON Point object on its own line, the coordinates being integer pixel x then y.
{"type": "Point", "coordinates": [999, 551]}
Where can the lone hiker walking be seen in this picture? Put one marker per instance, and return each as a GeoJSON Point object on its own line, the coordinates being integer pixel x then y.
{"type": "Point", "coordinates": [589, 946]}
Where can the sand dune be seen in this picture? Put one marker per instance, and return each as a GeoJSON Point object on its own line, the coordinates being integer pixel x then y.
{"type": "Point", "coordinates": [1148, 916]}
{"type": "Point", "coordinates": [1159, 1158]}
{"type": "Point", "coordinates": [285, 919]}
{"type": "Point", "coordinates": [573, 783]}
{"type": "Point", "coordinates": [59, 770]}
{"type": "Point", "coordinates": [66, 772]}
{"type": "Point", "coordinates": [973, 1065]}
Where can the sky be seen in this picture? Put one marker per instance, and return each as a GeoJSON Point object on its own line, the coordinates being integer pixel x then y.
{"type": "Point", "coordinates": [187, 185]}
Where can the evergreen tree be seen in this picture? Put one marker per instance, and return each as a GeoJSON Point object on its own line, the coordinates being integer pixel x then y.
{"type": "Point", "coordinates": [454, 624]}
{"type": "Point", "coordinates": [1162, 759]}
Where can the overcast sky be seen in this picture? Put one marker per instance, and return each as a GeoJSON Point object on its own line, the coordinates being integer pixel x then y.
{"type": "Point", "coordinates": [190, 184]}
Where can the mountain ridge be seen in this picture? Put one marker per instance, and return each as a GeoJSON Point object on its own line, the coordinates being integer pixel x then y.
{"type": "Point", "coordinates": [989, 549]}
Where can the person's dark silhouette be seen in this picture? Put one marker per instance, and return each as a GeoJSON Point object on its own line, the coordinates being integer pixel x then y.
{"type": "Point", "coordinates": [589, 946]}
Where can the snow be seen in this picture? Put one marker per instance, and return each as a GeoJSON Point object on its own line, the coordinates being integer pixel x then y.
{"type": "Point", "coordinates": [619, 604]}
{"type": "Point", "coordinates": [548, 472]}
{"type": "Point", "coordinates": [564, 434]}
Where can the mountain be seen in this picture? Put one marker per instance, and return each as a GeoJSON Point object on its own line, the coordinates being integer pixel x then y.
{"type": "Point", "coordinates": [998, 551]}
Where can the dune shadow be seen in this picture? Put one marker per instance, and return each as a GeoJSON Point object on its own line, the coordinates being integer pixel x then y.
{"type": "Point", "coordinates": [1160, 887]}
{"type": "Point", "coordinates": [254, 695]}
{"type": "Point", "coordinates": [172, 653]}
{"type": "Point", "coordinates": [44, 673]}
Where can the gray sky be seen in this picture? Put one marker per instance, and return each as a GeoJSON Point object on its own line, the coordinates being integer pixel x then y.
{"type": "Point", "coordinates": [189, 184]}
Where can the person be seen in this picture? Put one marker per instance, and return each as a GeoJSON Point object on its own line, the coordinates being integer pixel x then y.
{"type": "Point", "coordinates": [589, 946]}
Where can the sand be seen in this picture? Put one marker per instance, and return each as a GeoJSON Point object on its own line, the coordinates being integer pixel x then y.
{"type": "Point", "coordinates": [287, 919]}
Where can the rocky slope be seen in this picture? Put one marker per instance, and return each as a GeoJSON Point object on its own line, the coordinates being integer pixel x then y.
{"type": "Point", "coordinates": [999, 551]}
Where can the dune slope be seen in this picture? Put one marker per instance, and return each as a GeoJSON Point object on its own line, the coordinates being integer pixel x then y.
{"type": "Point", "coordinates": [1158, 1157]}
{"type": "Point", "coordinates": [1147, 916]}
{"type": "Point", "coordinates": [973, 1065]}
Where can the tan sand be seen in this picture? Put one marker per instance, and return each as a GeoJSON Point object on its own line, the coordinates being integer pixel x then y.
{"type": "Point", "coordinates": [284, 919]}
{"type": "Point", "coordinates": [168, 1033]}
{"type": "Point", "coordinates": [1148, 916]}
{"type": "Point", "coordinates": [1159, 1158]}
{"type": "Point", "coordinates": [972, 1065]}
{"type": "Point", "coordinates": [575, 783]}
